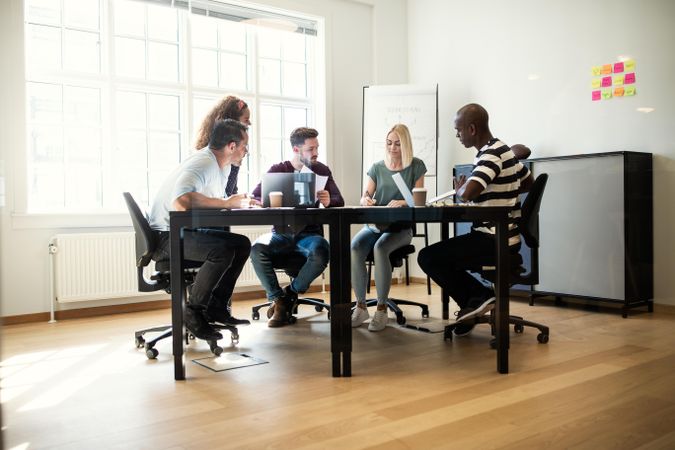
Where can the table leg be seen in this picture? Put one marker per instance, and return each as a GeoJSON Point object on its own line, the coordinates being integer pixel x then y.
{"type": "Point", "coordinates": [445, 298]}
{"type": "Point", "coordinates": [502, 296]}
{"type": "Point", "coordinates": [341, 333]}
{"type": "Point", "coordinates": [177, 289]}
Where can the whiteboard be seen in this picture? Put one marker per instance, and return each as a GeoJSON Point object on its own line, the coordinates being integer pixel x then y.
{"type": "Point", "coordinates": [412, 105]}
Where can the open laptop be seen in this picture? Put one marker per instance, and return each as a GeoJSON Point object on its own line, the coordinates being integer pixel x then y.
{"type": "Point", "coordinates": [298, 188]}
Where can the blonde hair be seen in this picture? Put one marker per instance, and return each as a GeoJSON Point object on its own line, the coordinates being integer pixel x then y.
{"type": "Point", "coordinates": [406, 144]}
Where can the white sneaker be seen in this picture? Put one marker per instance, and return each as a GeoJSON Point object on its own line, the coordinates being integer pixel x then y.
{"type": "Point", "coordinates": [359, 315]}
{"type": "Point", "coordinates": [379, 321]}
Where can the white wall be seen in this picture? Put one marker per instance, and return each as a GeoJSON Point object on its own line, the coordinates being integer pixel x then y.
{"type": "Point", "coordinates": [366, 43]}
{"type": "Point", "coordinates": [483, 51]}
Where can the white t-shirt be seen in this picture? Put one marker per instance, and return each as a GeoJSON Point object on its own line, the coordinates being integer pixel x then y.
{"type": "Point", "coordinates": [199, 173]}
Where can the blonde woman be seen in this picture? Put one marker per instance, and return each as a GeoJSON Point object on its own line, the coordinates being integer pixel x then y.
{"type": "Point", "coordinates": [381, 190]}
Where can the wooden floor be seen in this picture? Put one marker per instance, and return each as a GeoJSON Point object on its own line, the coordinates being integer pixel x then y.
{"type": "Point", "coordinates": [601, 382]}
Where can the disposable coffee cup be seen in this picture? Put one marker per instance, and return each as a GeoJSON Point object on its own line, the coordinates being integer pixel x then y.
{"type": "Point", "coordinates": [419, 196]}
{"type": "Point", "coordinates": [276, 199]}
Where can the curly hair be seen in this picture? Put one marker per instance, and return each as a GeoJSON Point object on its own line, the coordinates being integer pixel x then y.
{"type": "Point", "coordinates": [230, 107]}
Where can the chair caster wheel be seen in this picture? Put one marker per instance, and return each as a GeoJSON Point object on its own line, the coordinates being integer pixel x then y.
{"type": "Point", "coordinates": [292, 320]}
{"type": "Point", "coordinates": [139, 341]}
{"type": "Point", "coordinates": [542, 338]}
{"type": "Point", "coordinates": [216, 350]}
{"type": "Point", "coordinates": [400, 319]}
{"type": "Point", "coordinates": [270, 312]}
{"type": "Point", "coordinates": [191, 336]}
{"type": "Point", "coordinates": [151, 353]}
{"type": "Point", "coordinates": [255, 316]}
{"type": "Point", "coordinates": [234, 338]}
{"type": "Point", "coordinates": [318, 308]}
{"type": "Point", "coordinates": [518, 328]}
{"type": "Point", "coordinates": [425, 313]}
{"type": "Point", "coordinates": [447, 334]}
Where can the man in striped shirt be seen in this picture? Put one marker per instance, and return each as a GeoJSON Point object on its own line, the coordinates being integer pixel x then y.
{"type": "Point", "coordinates": [496, 180]}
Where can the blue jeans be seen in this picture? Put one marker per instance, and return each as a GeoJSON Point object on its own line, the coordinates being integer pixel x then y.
{"type": "Point", "coordinates": [274, 246]}
{"type": "Point", "coordinates": [382, 244]}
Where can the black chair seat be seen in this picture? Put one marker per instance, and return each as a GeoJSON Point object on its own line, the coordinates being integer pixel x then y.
{"type": "Point", "coordinates": [164, 265]}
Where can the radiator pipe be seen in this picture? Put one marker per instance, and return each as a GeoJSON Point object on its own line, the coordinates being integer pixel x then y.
{"type": "Point", "coordinates": [52, 252]}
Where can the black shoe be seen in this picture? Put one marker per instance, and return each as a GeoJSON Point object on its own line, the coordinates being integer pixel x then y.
{"type": "Point", "coordinates": [476, 307]}
{"type": "Point", "coordinates": [224, 317]}
{"type": "Point", "coordinates": [197, 324]}
{"type": "Point", "coordinates": [463, 324]}
{"type": "Point", "coordinates": [289, 294]}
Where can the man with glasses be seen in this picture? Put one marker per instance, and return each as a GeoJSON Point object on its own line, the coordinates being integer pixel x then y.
{"type": "Point", "coordinates": [199, 183]}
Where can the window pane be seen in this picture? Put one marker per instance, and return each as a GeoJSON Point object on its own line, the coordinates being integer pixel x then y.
{"type": "Point", "coordinates": [81, 14]}
{"type": "Point", "coordinates": [129, 18]}
{"type": "Point", "coordinates": [204, 32]}
{"type": "Point", "coordinates": [45, 102]}
{"type": "Point", "coordinates": [269, 43]}
{"type": "Point", "coordinates": [293, 47]}
{"type": "Point", "coordinates": [294, 118]}
{"type": "Point", "coordinates": [46, 190]}
{"type": "Point", "coordinates": [130, 57]}
{"type": "Point", "coordinates": [136, 182]}
{"type": "Point", "coordinates": [83, 145]}
{"type": "Point", "coordinates": [82, 51]}
{"type": "Point", "coordinates": [271, 152]}
{"type": "Point", "coordinates": [233, 71]}
{"type": "Point", "coordinates": [46, 143]}
{"type": "Point", "coordinates": [232, 36]}
{"type": "Point", "coordinates": [295, 81]}
{"type": "Point", "coordinates": [43, 47]}
{"type": "Point", "coordinates": [163, 61]}
{"type": "Point", "coordinates": [131, 152]}
{"type": "Point", "coordinates": [270, 121]}
{"type": "Point", "coordinates": [163, 151]}
{"type": "Point", "coordinates": [83, 186]}
{"type": "Point", "coordinates": [82, 105]}
{"type": "Point", "coordinates": [131, 110]}
{"type": "Point", "coordinates": [43, 11]}
{"type": "Point", "coordinates": [205, 67]}
{"type": "Point", "coordinates": [162, 23]}
{"type": "Point", "coordinates": [164, 113]}
{"type": "Point", "coordinates": [270, 76]}
{"type": "Point", "coordinates": [200, 108]}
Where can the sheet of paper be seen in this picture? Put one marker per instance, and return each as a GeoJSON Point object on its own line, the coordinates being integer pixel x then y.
{"type": "Point", "coordinates": [403, 189]}
{"type": "Point", "coordinates": [443, 197]}
{"type": "Point", "coordinates": [321, 180]}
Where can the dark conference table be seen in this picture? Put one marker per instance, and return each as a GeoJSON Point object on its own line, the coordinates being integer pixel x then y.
{"type": "Point", "coordinates": [339, 221]}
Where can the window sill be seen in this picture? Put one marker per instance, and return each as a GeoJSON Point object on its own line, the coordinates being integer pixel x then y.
{"type": "Point", "coordinates": [22, 221]}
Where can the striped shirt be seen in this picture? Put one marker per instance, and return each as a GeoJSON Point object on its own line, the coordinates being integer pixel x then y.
{"type": "Point", "coordinates": [500, 173]}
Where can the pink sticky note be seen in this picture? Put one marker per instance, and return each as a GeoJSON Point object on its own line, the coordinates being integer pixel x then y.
{"type": "Point", "coordinates": [618, 67]}
{"type": "Point", "coordinates": [596, 96]}
{"type": "Point", "coordinates": [606, 81]}
{"type": "Point", "coordinates": [629, 79]}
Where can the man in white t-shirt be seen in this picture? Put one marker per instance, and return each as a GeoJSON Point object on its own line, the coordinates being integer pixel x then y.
{"type": "Point", "coordinates": [199, 183]}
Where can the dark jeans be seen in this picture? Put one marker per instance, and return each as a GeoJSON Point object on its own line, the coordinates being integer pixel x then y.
{"type": "Point", "coordinates": [223, 254]}
{"type": "Point", "coordinates": [446, 262]}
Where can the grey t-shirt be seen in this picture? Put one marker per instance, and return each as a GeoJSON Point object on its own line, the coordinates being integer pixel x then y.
{"type": "Point", "coordinates": [385, 187]}
{"type": "Point", "coordinates": [199, 173]}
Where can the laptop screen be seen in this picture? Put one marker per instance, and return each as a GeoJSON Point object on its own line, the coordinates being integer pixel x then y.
{"type": "Point", "coordinates": [298, 188]}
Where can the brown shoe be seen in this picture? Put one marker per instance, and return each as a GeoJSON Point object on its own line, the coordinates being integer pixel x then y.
{"type": "Point", "coordinates": [280, 316]}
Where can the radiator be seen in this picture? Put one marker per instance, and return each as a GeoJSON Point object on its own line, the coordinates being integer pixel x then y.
{"type": "Point", "coordinates": [95, 266]}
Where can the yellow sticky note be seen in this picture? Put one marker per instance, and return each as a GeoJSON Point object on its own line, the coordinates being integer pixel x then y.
{"type": "Point", "coordinates": [606, 68]}
{"type": "Point", "coordinates": [595, 83]}
{"type": "Point", "coordinates": [629, 90]}
{"type": "Point", "coordinates": [618, 92]}
{"type": "Point", "coordinates": [618, 80]}
{"type": "Point", "coordinates": [606, 94]}
{"type": "Point", "coordinates": [596, 71]}
{"type": "Point", "coordinates": [629, 65]}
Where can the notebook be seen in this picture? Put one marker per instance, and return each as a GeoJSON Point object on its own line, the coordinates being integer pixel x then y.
{"type": "Point", "coordinates": [298, 188]}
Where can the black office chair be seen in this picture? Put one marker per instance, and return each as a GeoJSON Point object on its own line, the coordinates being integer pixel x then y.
{"type": "Point", "coordinates": [529, 230]}
{"type": "Point", "coordinates": [397, 258]}
{"type": "Point", "coordinates": [161, 279]}
{"type": "Point", "coordinates": [290, 265]}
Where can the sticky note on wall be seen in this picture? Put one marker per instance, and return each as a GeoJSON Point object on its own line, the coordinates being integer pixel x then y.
{"type": "Point", "coordinates": [629, 65]}
{"type": "Point", "coordinates": [606, 69]}
{"type": "Point", "coordinates": [629, 91]}
{"type": "Point", "coordinates": [629, 78]}
{"type": "Point", "coordinates": [595, 83]}
{"type": "Point", "coordinates": [596, 71]}
{"type": "Point", "coordinates": [606, 81]}
{"type": "Point", "coordinates": [618, 80]}
{"type": "Point", "coordinates": [606, 94]}
{"type": "Point", "coordinates": [595, 96]}
{"type": "Point", "coordinates": [618, 67]}
{"type": "Point", "coordinates": [618, 92]}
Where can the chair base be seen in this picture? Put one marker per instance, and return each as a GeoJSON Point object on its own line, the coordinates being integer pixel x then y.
{"type": "Point", "coordinates": [518, 323]}
{"type": "Point", "coordinates": [393, 306]}
{"type": "Point", "coordinates": [166, 331]}
{"type": "Point", "coordinates": [319, 305]}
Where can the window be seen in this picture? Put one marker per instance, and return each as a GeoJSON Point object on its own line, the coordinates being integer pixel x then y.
{"type": "Point", "coordinates": [116, 90]}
